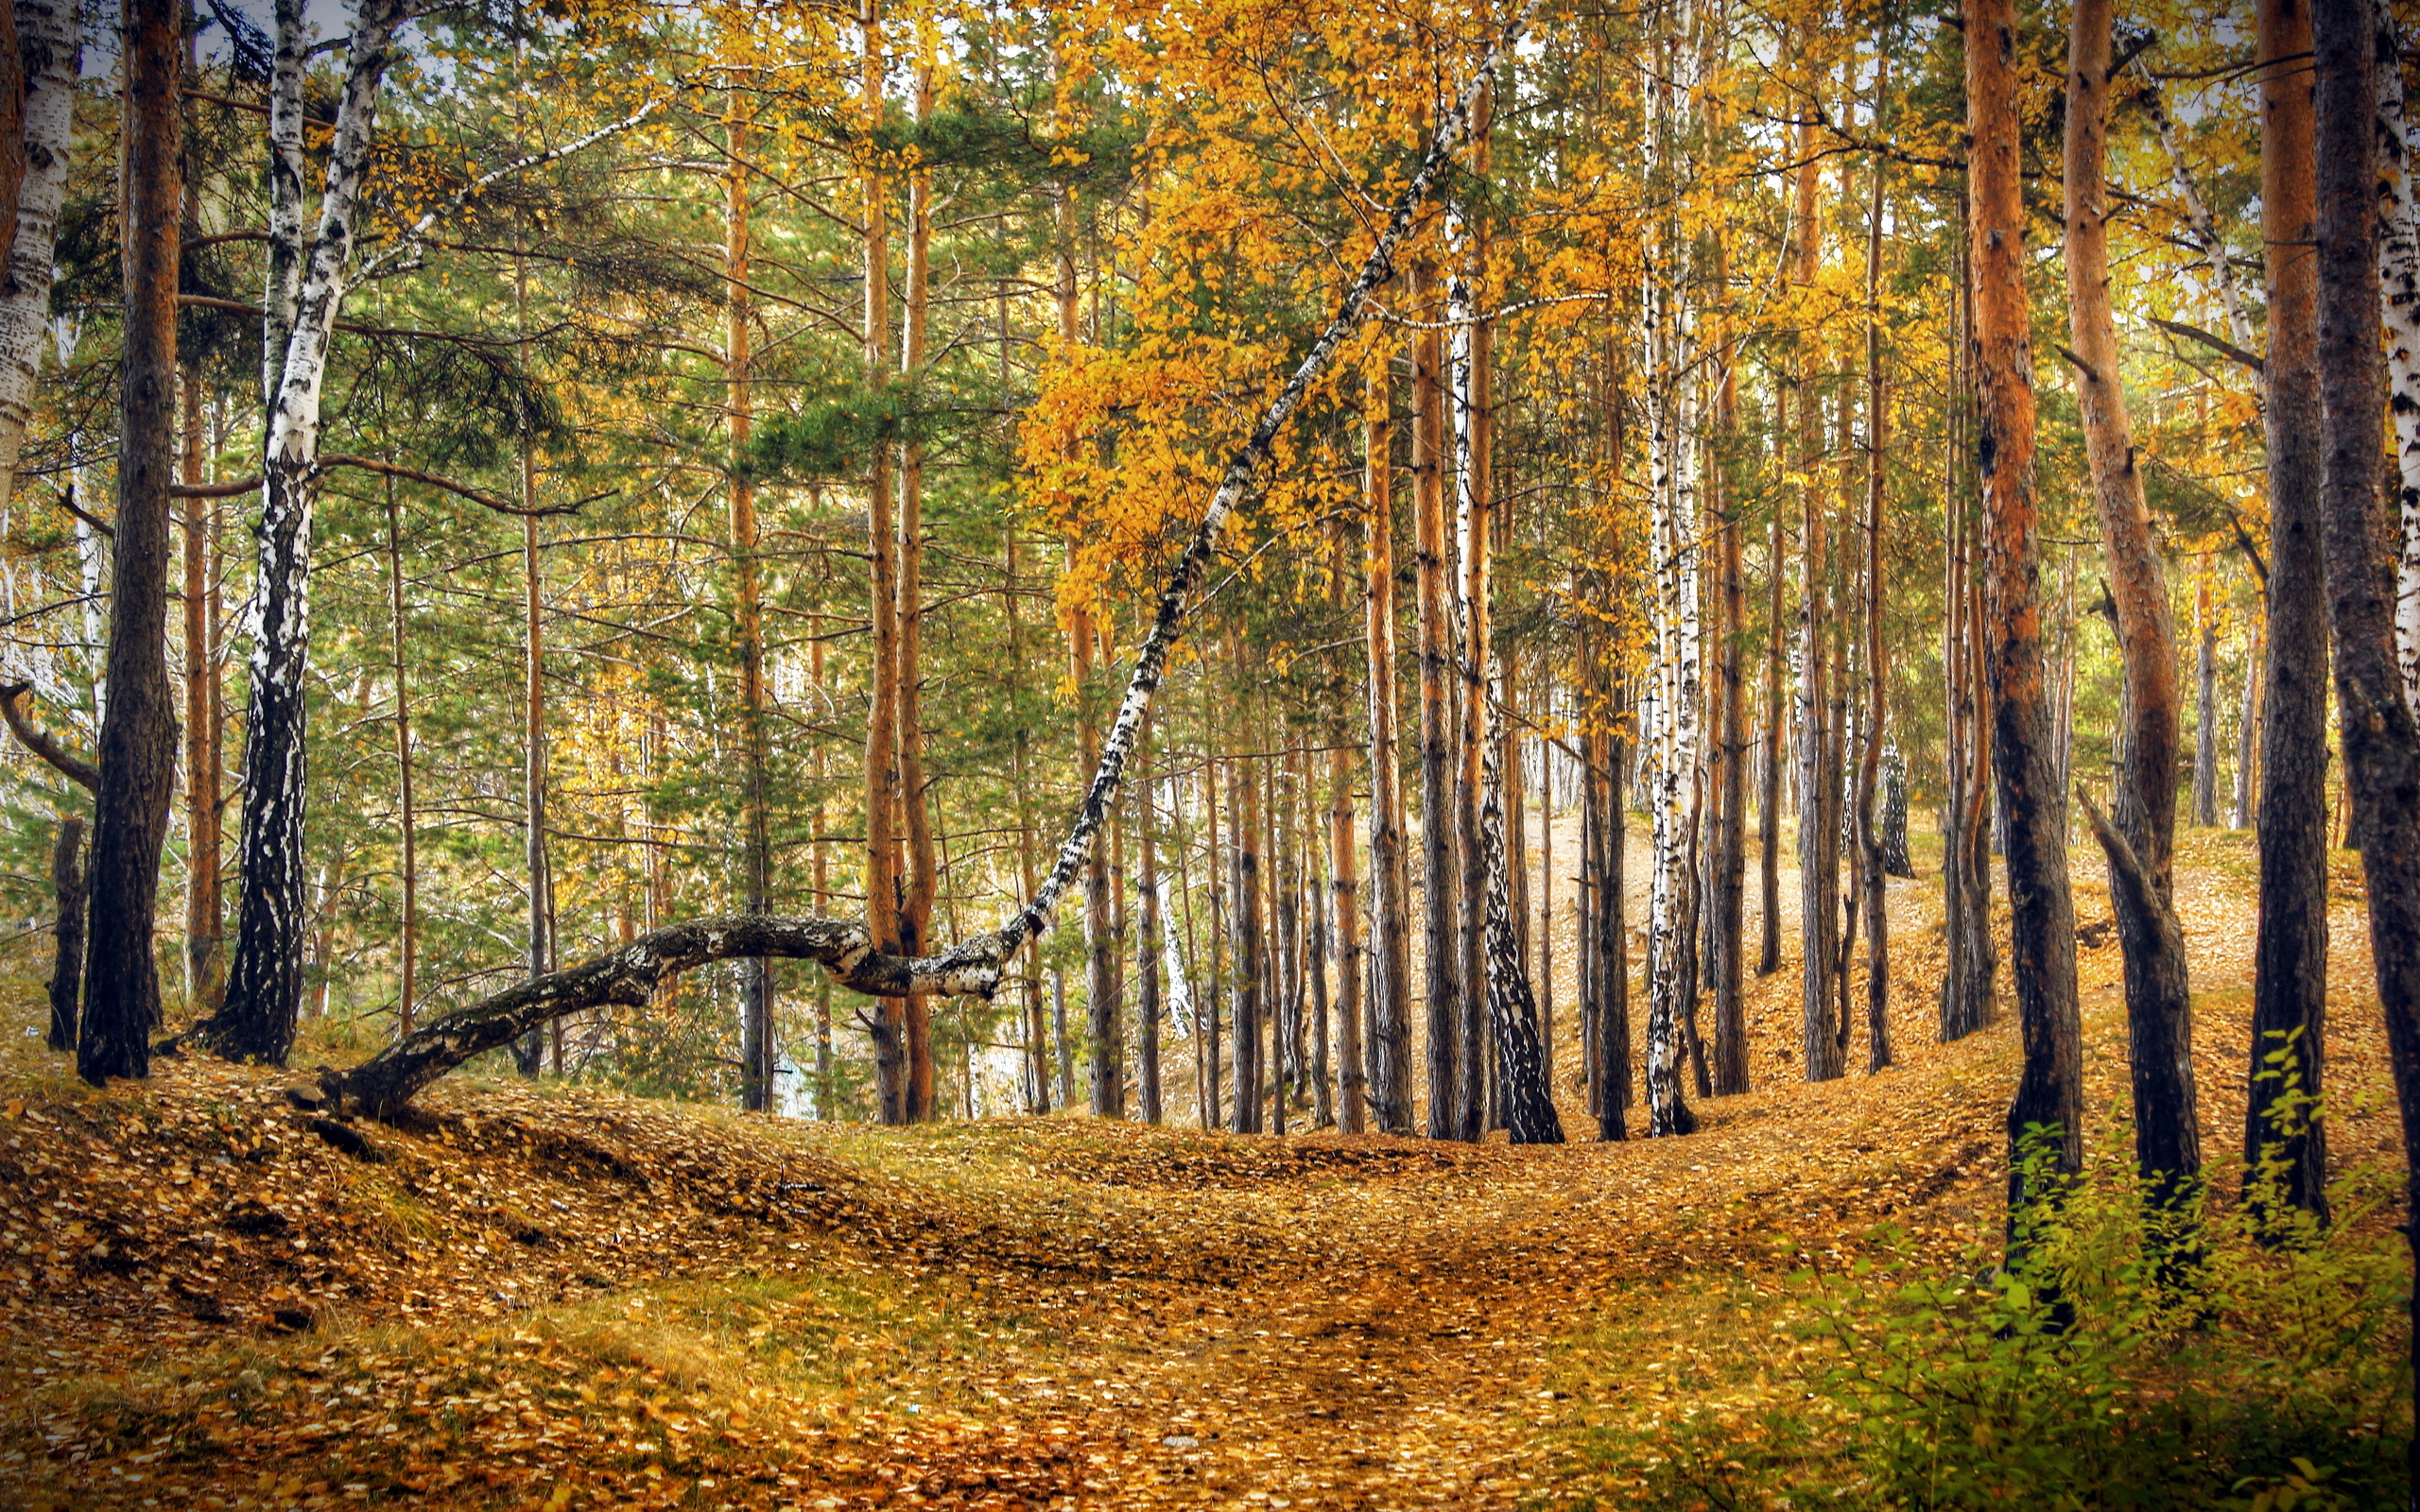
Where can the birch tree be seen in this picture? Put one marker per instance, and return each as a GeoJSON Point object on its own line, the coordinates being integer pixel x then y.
{"type": "Point", "coordinates": [307, 280]}
{"type": "Point", "coordinates": [49, 41]}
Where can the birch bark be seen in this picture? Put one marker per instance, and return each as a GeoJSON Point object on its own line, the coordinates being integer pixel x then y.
{"type": "Point", "coordinates": [50, 39]}
{"type": "Point", "coordinates": [304, 288]}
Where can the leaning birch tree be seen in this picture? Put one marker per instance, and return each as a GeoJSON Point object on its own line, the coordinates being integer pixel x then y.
{"type": "Point", "coordinates": [845, 948]}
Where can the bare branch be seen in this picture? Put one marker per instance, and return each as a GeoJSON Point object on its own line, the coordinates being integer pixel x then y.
{"type": "Point", "coordinates": [34, 738]}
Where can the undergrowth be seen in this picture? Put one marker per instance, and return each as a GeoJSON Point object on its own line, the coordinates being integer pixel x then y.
{"type": "Point", "coordinates": [2263, 1371]}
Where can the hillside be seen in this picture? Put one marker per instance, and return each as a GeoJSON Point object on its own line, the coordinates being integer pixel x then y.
{"type": "Point", "coordinates": [564, 1298]}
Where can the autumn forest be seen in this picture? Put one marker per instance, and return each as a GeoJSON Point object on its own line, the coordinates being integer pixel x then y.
{"type": "Point", "coordinates": [1209, 753]}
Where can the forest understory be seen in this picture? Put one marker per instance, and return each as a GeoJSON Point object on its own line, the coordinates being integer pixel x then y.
{"type": "Point", "coordinates": [548, 1296]}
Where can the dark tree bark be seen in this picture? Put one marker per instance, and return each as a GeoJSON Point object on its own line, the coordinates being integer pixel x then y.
{"type": "Point", "coordinates": [1530, 1114]}
{"type": "Point", "coordinates": [1247, 1015]}
{"type": "Point", "coordinates": [2289, 954]}
{"type": "Point", "coordinates": [2373, 718]}
{"type": "Point", "coordinates": [2050, 1095]}
{"type": "Point", "coordinates": [1612, 1069]}
{"type": "Point", "coordinates": [67, 959]}
{"type": "Point", "coordinates": [1728, 860]}
{"type": "Point", "coordinates": [137, 753]}
{"type": "Point", "coordinates": [630, 976]}
{"type": "Point", "coordinates": [1871, 862]}
{"type": "Point", "coordinates": [2159, 1004]}
{"type": "Point", "coordinates": [1390, 928]}
{"type": "Point", "coordinates": [1440, 872]}
{"type": "Point", "coordinates": [1769, 793]}
{"type": "Point", "coordinates": [2205, 722]}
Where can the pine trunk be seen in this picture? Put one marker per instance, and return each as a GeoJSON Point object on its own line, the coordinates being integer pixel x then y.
{"type": "Point", "coordinates": [1871, 860]}
{"type": "Point", "coordinates": [137, 749]}
{"type": "Point", "coordinates": [205, 960]}
{"type": "Point", "coordinates": [2374, 718]}
{"type": "Point", "coordinates": [2205, 713]}
{"type": "Point", "coordinates": [2050, 1096]}
{"type": "Point", "coordinates": [921, 879]}
{"type": "Point", "coordinates": [759, 1048]}
{"type": "Point", "coordinates": [2288, 1051]}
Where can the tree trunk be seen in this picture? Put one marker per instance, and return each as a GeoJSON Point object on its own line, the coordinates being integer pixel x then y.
{"type": "Point", "coordinates": [49, 41]}
{"type": "Point", "coordinates": [540, 949]}
{"type": "Point", "coordinates": [2247, 735]}
{"type": "Point", "coordinates": [922, 881]}
{"type": "Point", "coordinates": [1613, 947]}
{"type": "Point", "coordinates": [1545, 899]}
{"type": "Point", "coordinates": [2400, 278]}
{"type": "Point", "coordinates": [2050, 1095]}
{"type": "Point", "coordinates": [1245, 812]}
{"type": "Point", "coordinates": [1818, 830]}
{"type": "Point", "coordinates": [760, 1048]}
{"type": "Point", "coordinates": [1440, 874]}
{"type": "Point", "coordinates": [1352, 1081]}
{"type": "Point", "coordinates": [1037, 1032]}
{"type": "Point", "coordinates": [2290, 953]}
{"type": "Point", "coordinates": [1871, 863]}
{"type": "Point", "coordinates": [204, 962]}
{"type": "Point", "coordinates": [1728, 862]}
{"type": "Point", "coordinates": [1473, 538]}
{"type": "Point", "coordinates": [1768, 794]}
{"type": "Point", "coordinates": [1210, 1049]}
{"type": "Point", "coordinates": [305, 289]}
{"type": "Point", "coordinates": [2373, 718]}
{"type": "Point", "coordinates": [882, 805]}
{"type": "Point", "coordinates": [137, 749]}
{"type": "Point", "coordinates": [1147, 939]}
{"type": "Point", "coordinates": [407, 944]}
{"type": "Point", "coordinates": [1529, 1103]}
{"type": "Point", "coordinates": [2205, 713]}
{"type": "Point", "coordinates": [67, 959]}
{"type": "Point", "coordinates": [1391, 950]}
{"type": "Point", "coordinates": [820, 879]}
{"type": "Point", "coordinates": [1315, 959]}
{"type": "Point", "coordinates": [1285, 854]}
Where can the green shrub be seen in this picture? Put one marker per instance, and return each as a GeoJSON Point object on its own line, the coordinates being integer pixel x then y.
{"type": "Point", "coordinates": [2128, 1360]}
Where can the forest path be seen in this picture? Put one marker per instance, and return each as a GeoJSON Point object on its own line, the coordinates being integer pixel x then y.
{"type": "Point", "coordinates": [557, 1297]}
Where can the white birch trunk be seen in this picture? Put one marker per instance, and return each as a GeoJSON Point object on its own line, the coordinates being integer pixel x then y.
{"type": "Point", "coordinates": [2399, 275]}
{"type": "Point", "coordinates": [50, 33]}
{"type": "Point", "coordinates": [305, 289]}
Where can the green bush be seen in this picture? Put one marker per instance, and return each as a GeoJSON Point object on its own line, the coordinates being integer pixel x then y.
{"type": "Point", "coordinates": [2129, 1359]}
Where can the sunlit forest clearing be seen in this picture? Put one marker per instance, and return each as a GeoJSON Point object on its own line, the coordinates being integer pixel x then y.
{"type": "Point", "coordinates": [1236, 755]}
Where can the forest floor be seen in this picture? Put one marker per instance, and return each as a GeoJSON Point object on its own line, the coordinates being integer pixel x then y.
{"type": "Point", "coordinates": [552, 1297]}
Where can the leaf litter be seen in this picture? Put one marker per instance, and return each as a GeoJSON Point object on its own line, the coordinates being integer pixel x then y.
{"type": "Point", "coordinates": [555, 1297]}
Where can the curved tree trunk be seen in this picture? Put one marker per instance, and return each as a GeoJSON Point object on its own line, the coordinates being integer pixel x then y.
{"type": "Point", "coordinates": [2159, 1004]}
{"type": "Point", "coordinates": [974, 967]}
